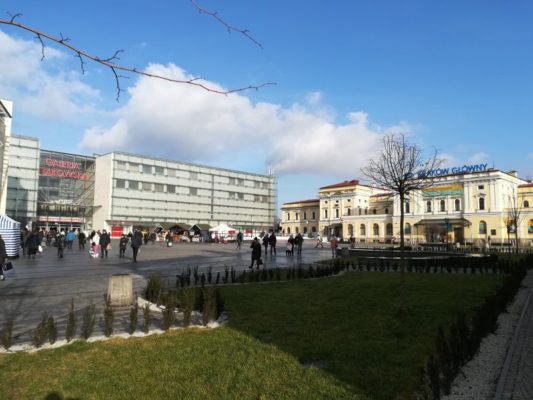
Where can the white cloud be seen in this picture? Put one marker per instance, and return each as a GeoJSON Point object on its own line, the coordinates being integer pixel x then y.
{"type": "Point", "coordinates": [478, 158]}
{"type": "Point", "coordinates": [39, 87]}
{"type": "Point", "coordinates": [187, 123]}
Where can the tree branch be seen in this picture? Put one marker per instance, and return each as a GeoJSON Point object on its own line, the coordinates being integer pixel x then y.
{"type": "Point", "coordinates": [115, 68]}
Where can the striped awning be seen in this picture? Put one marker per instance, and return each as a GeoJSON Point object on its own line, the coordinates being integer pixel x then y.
{"type": "Point", "coordinates": [10, 231]}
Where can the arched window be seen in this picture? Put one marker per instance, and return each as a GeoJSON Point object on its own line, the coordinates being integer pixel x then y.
{"type": "Point", "coordinates": [362, 230]}
{"type": "Point", "coordinates": [374, 211]}
{"type": "Point", "coordinates": [350, 230]}
{"type": "Point", "coordinates": [526, 204]}
{"type": "Point", "coordinates": [407, 207]}
{"type": "Point", "coordinates": [348, 211]}
{"type": "Point", "coordinates": [305, 229]}
{"type": "Point", "coordinates": [313, 229]}
{"type": "Point", "coordinates": [376, 230]}
{"type": "Point", "coordinates": [359, 211]}
{"type": "Point", "coordinates": [442, 205]}
{"type": "Point", "coordinates": [457, 205]}
{"type": "Point", "coordinates": [482, 228]}
{"type": "Point", "coordinates": [389, 229]}
{"type": "Point", "coordinates": [386, 211]}
{"type": "Point", "coordinates": [481, 203]}
{"type": "Point", "coordinates": [428, 206]}
{"type": "Point", "coordinates": [325, 214]}
{"type": "Point", "coordinates": [296, 230]}
{"type": "Point", "coordinates": [366, 211]}
{"type": "Point", "coordinates": [336, 213]}
{"type": "Point", "coordinates": [407, 229]}
{"type": "Point", "coordinates": [288, 231]}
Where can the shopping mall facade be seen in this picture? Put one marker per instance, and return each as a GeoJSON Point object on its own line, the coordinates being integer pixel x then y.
{"type": "Point", "coordinates": [120, 191]}
{"type": "Point", "coordinates": [468, 204]}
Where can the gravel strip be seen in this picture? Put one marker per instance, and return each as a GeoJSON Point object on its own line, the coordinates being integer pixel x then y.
{"type": "Point", "coordinates": [478, 378]}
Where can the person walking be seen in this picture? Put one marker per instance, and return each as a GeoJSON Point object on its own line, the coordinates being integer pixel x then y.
{"type": "Point", "coordinates": [81, 239]}
{"type": "Point", "coordinates": [291, 242]}
{"type": "Point", "coordinates": [104, 242]}
{"type": "Point", "coordinates": [256, 253]}
{"type": "Point", "coordinates": [71, 235]}
{"type": "Point", "coordinates": [319, 241]}
{"type": "Point", "coordinates": [272, 241]}
{"type": "Point", "coordinates": [299, 241]}
{"type": "Point", "coordinates": [333, 244]}
{"type": "Point", "coordinates": [3, 256]}
{"type": "Point", "coordinates": [32, 244]}
{"type": "Point", "coordinates": [265, 242]}
{"type": "Point", "coordinates": [136, 243]}
{"type": "Point", "coordinates": [60, 244]}
{"type": "Point", "coordinates": [239, 240]}
{"type": "Point", "coordinates": [122, 244]}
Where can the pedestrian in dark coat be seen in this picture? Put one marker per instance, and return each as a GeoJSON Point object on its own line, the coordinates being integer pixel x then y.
{"type": "Point", "coordinates": [122, 245]}
{"type": "Point", "coordinates": [265, 242]}
{"type": "Point", "coordinates": [32, 243]}
{"type": "Point", "coordinates": [136, 243]}
{"type": "Point", "coordinates": [81, 239]}
{"type": "Point", "coordinates": [256, 252]}
{"type": "Point", "coordinates": [60, 244]}
{"type": "Point", "coordinates": [3, 256]}
{"type": "Point", "coordinates": [299, 241]}
{"type": "Point", "coordinates": [105, 240]}
{"type": "Point", "coordinates": [272, 241]}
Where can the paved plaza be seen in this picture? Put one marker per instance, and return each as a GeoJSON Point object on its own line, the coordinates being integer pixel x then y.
{"type": "Point", "coordinates": [48, 283]}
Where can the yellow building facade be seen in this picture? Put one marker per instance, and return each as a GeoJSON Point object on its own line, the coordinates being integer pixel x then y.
{"type": "Point", "coordinates": [473, 206]}
{"type": "Point", "coordinates": [300, 217]}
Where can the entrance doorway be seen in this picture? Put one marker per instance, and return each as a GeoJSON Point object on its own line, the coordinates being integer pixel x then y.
{"type": "Point", "coordinates": [459, 235]}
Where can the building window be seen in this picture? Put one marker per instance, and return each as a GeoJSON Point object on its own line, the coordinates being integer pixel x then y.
{"type": "Point", "coordinates": [305, 229]}
{"type": "Point", "coordinates": [257, 184]}
{"type": "Point", "coordinates": [389, 229]}
{"type": "Point", "coordinates": [121, 165]}
{"type": "Point", "coordinates": [348, 211]}
{"type": "Point", "coordinates": [407, 229]}
{"type": "Point", "coordinates": [193, 175]}
{"type": "Point", "coordinates": [336, 213]}
{"type": "Point", "coordinates": [305, 215]}
{"type": "Point", "coordinates": [428, 206]}
{"type": "Point", "coordinates": [171, 189]}
{"type": "Point", "coordinates": [442, 206]}
{"type": "Point", "coordinates": [146, 186]}
{"type": "Point", "coordinates": [313, 214]}
{"type": "Point", "coordinates": [359, 211]}
{"type": "Point", "coordinates": [386, 211]}
{"type": "Point", "coordinates": [362, 230]}
{"type": "Point", "coordinates": [159, 171]}
{"type": "Point", "coordinates": [325, 213]}
{"type": "Point", "coordinates": [374, 211]}
{"type": "Point", "coordinates": [481, 187]}
{"type": "Point", "coordinates": [457, 205]}
{"type": "Point", "coordinates": [171, 172]}
{"type": "Point", "coordinates": [526, 204]}
{"type": "Point", "coordinates": [296, 216]}
{"type": "Point", "coordinates": [481, 203]}
{"type": "Point", "coordinates": [313, 229]}
{"type": "Point", "coordinates": [376, 230]}
{"type": "Point", "coordinates": [296, 230]}
{"type": "Point", "coordinates": [193, 191]}
{"type": "Point", "coordinates": [120, 183]}
{"type": "Point", "coordinates": [407, 207]}
{"type": "Point", "coordinates": [134, 185]}
{"type": "Point", "coordinates": [288, 216]}
{"type": "Point", "coordinates": [159, 187]}
{"type": "Point", "coordinates": [147, 169]}
{"type": "Point", "coordinates": [482, 227]}
{"type": "Point", "coordinates": [240, 196]}
{"type": "Point", "coordinates": [134, 167]}
{"type": "Point", "coordinates": [288, 231]}
{"type": "Point", "coordinates": [366, 211]}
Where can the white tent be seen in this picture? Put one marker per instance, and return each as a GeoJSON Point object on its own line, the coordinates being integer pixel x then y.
{"type": "Point", "coordinates": [223, 229]}
{"type": "Point", "coordinates": [10, 231]}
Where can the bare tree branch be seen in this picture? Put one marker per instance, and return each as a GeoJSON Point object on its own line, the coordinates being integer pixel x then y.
{"type": "Point", "coordinates": [114, 67]}
{"type": "Point", "coordinates": [230, 28]}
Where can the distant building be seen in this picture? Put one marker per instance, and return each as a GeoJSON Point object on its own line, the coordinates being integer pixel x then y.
{"type": "Point", "coordinates": [472, 205]}
{"type": "Point", "coordinates": [300, 217]}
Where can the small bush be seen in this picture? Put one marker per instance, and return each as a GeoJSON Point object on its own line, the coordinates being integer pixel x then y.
{"type": "Point", "coordinates": [87, 324]}
{"type": "Point", "coordinates": [72, 322]}
{"type": "Point", "coordinates": [147, 318]}
{"type": "Point", "coordinates": [7, 334]}
{"type": "Point", "coordinates": [168, 316]}
{"type": "Point", "coordinates": [40, 333]}
{"type": "Point", "coordinates": [109, 317]}
{"type": "Point", "coordinates": [210, 304]}
{"type": "Point", "coordinates": [51, 328]}
{"type": "Point", "coordinates": [134, 312]}
{"type": "Point", "coordinates": [187, 298]}
{"type": "Point", "coordinates": [154, 288]}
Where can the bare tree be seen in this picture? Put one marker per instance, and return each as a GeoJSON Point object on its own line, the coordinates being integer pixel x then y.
{"type": "Point", "coordinates": [112, 62]}
{"type": "Point", "coordinates": [515, 215]}
{"type": "Point", "coordinates": [402, 169]}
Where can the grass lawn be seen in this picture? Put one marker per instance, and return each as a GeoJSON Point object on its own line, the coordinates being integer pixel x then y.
{"type": "Point", "coordinates": [347, 325]}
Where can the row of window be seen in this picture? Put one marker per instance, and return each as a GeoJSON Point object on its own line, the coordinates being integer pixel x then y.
{"type": "Point", "coordinates": [192, 175]}
{"type": "Point", "coordinates": [191, 191]}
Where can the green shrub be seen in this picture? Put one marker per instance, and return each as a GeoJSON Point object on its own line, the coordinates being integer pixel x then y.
{"type": "Point", "coordinates": [134, 312]}
{"type": "Point", "coordinates": [168, 315]}
{"type": "Point", "coordinates": [72, 322]}
{"type": "Point", "coordinates": [187, 298]}
{"type": "Point", "coordinates": [210, 304]}
{"type": "Point", "coordinates": [147, 318]}
{"type": "Point", "coordinates": [109, 317]}
{"type": "Point", "coordinates": [88, 320]}
{"type": "Point", "coordinates": [7, 334]}
{"type": "Point", "coordinates": [51, 328]}
{"type": "Point", "coordinates": [154, 288]}
{"type": "Point", "coordinates": [40, 333]}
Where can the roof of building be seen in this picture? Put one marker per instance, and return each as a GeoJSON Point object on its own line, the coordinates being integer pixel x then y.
{"type": "Point", "coordinates": [382, 194]}
{"type": "Point", "coordinates": [3, 110]}
{"type": "Point", "coordinates": [353, 182]}
{"type": "Point", "coordinates": [303, 201]}
{"type": "Point", "coordinates": [525, 185]}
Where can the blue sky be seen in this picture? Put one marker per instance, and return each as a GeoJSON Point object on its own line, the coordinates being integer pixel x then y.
{"type": "Point", "coordinates": [456, 76]}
